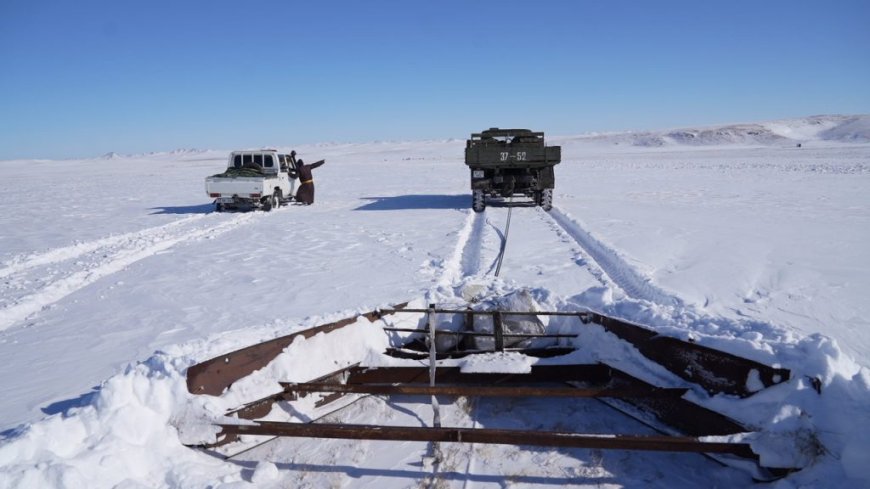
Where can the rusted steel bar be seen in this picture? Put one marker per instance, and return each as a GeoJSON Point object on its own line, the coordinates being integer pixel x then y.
{"type": "Point", "coordinates": [479, 390]}
{"type": "Point", "coordinates": [677, 413]}
{"type": "Point", "coordinates": [492, 311]}
{"type": "Point", "coordinates": [414, 354]}
{"type": "Point", "coordinates": [489, 436]}
{"type": "Point", "coordinates": [262, 407]}
{"type": "Point", "coordinates": [592, 373]}
{"type": "Point", "coordinates": [477, 333]}
{"type": "Point", "coordinates": [714, 370]}
{"type": "Point", "coordinates": [213, 376]}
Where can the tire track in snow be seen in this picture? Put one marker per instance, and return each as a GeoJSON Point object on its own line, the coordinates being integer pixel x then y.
{"type": "Point", "coordinates": [614, 267]}
{"type": "Point", "coordinates": [23, 263]}
{"type": "Point", "coordinates": [466, 257]}
{"type": "Point", "coordinates": [109, 255]}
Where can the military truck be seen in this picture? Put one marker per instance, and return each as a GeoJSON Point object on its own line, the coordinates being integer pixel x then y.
{"type": "Point", "coordinates": [506, 163]}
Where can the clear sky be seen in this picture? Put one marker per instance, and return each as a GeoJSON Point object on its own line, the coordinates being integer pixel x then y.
{"type": "Point", "coordinates": [82, 78]}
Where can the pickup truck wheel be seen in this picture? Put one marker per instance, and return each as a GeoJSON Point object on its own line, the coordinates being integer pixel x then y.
{"type": "Point", "coordinates": [270, 202]}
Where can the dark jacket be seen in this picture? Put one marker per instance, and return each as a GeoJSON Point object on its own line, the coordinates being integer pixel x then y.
{"type": "Point", "coordinates": [305, 194]}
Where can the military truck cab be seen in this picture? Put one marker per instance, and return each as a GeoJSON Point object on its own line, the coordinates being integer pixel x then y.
{"type": "Point", "coordinates": [506, 163]}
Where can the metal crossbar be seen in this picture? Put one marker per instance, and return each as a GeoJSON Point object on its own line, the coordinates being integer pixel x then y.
{"type": "Point", "coordinates": [488, 436]}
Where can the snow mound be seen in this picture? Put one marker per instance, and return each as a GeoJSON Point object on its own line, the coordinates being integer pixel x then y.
{"type": "Point", "coordinates": [853, 129]}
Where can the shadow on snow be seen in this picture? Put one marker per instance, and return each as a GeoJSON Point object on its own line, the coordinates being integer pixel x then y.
{"type": "Point", "coordinates": [184, 209]}
{"type": "Point", "coordinates": [65, 405]}
{"type": "Point", "coordinates": [406, 202]}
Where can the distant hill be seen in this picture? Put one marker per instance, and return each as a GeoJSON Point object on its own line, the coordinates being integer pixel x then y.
{"type": "Point", "coordinates": [839, 128]}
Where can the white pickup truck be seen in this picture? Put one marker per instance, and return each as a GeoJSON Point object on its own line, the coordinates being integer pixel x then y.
{"type": "Point", "coordinates": [254, 179]}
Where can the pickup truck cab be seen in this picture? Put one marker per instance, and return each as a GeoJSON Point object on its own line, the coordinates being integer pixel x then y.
{"type": "Point", "coordinates": [253, 179]}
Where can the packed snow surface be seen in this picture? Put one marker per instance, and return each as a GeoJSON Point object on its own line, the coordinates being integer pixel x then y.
{"type": "Point", "coordinates": [116, 276]}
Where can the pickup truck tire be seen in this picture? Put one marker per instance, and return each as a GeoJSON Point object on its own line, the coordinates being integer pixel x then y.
{"type": "Point", "coordinates": [270, 202]}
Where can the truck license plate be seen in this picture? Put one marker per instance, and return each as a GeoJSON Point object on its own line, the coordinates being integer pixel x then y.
{"type": "Point", "coordinates": [477, 174]}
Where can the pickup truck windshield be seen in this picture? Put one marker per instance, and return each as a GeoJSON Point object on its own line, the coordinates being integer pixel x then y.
{"type": "Point", "coordinates": [254, 159]}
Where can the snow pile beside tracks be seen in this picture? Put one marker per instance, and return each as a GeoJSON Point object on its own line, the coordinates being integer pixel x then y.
{"type": "Point", "coordinates": [818, 420]}
{"type": "Point", "coordinates": [126, 437]}
{"type": "Point", "coordinates": [132, 432]}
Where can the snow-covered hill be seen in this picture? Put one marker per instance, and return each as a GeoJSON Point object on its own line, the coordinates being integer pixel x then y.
{"type": "Point", "coordinates": [121, 277]}
{"type": "Point", "coordinates": [788, 132]}
{"type": "Point", "coordinates": [813, 130]}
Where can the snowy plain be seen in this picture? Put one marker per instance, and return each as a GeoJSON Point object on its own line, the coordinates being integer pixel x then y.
{"type": "Point", "coordinates": [116, 275]}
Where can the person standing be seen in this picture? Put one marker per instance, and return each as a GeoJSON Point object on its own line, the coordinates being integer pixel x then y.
{"type": "Point", "coordinates": [305, 194]}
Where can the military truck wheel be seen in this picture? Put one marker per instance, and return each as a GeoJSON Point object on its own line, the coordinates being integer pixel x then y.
{"type": "Point", "coordinates": [547, 199]}
{"type": "Point", "coordinates": [478, 202]}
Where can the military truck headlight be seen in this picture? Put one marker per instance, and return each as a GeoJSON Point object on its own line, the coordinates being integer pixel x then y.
{"type": "Point", "coordinates": [477, 174]}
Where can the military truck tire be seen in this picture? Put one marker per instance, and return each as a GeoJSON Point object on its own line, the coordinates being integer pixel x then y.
{"type": "Point", "coordinates": [478, 203]}
{"type": "Point", "coordinates": [547, 199]}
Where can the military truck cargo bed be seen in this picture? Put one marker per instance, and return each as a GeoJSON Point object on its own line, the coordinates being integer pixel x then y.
{"type": "Point", "coordinates": [510, 148]}
{"type": "Point", "coordinates": [511, 162]}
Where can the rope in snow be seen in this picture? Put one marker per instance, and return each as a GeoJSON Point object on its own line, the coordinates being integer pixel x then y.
{"type": "Point", "coordinates": [507, 228]}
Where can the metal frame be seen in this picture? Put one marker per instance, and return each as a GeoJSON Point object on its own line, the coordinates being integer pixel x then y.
{"type": "Point", "coordinates": [715, 371]}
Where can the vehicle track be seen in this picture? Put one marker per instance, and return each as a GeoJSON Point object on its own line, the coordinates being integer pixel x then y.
{"type": "Point", "coordinates": [474, 255]}
{"type": "Point", "coordinates": [33, 282]}
{"type": "Point", "coordinates": [473, 258]}
{"type": "Point", "coordinates": [607, 261]}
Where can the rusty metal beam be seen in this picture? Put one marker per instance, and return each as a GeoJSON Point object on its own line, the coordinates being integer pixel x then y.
{"type": "Point", "coordinates": [479, 390]}
{"type": "Point", "coordinates": [714, 370]}
{"type": "Point", "coordinates": [488, 436]}
{"type": "Point", "coordinates": [213, 376]}
{"type": "Point", "coordinates": [477, 333]}
{"type": "Point", "coordinates": [678, 413]}
{"type": "Point", "coordinates": [592, 373]}
{"type": "Point", "coordinates": [262, 407]}
{"type": "Point", "coordinates": [415, 354]}
{"type": "Point", "coordinates": [490, 312]}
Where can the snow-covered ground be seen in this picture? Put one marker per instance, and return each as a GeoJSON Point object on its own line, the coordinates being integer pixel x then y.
{"type": "Point", "coordinates": [116, 276]}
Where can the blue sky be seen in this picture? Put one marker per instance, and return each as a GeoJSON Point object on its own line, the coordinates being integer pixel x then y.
{"type": "Point", "coordinates": [87, 77]}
